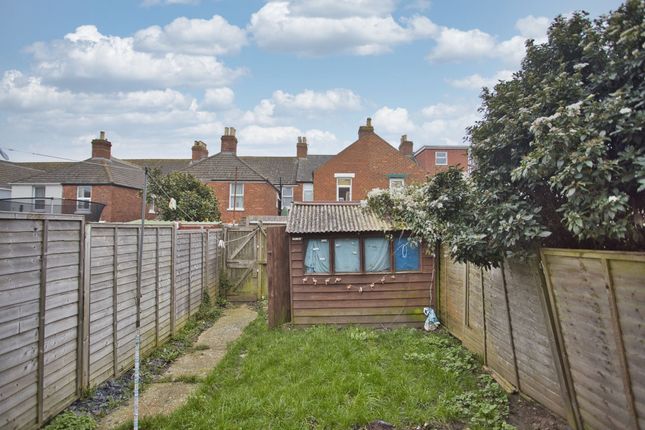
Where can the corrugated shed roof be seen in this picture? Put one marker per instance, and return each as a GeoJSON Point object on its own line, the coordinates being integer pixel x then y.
{"type": "Point", "coordinates": [93, 171]}
{"type": "Point", "coordinates": [222, 167]}
{"type": "Point", "coordinates": [307, 166]}
{"type": "Point", "coordinates": [333, 218]}
{"type": "Point", "coordinates": [274, 168]}
{"type": "Point", "coordinates": [11, 172]}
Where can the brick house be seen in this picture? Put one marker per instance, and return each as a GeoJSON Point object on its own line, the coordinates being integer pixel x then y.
{"type": "Point", "coordinates": [438, 158]}
{"type": "Point", "coordinates": [370, 162]}
{"type": "Point", "coordinates": [100, 179]}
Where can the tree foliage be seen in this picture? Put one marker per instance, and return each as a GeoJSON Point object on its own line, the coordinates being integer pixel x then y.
{"type": "Point", "coordinates": [195, 200]}
{"type": "Point", "coordinates": [559, 153]}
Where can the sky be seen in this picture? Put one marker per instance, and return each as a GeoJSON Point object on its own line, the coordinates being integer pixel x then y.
{"type": "Point", "coordinates": [157, 75]}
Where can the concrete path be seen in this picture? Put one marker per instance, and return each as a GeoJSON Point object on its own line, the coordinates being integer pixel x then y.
{"type": "Point", "coordinates": [164, 397]}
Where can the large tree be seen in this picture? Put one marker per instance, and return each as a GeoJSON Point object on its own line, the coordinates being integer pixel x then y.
{"type": "Point", "coordinates": [195, 201]}
{"type": "Point", "coordinates": [559, 152]}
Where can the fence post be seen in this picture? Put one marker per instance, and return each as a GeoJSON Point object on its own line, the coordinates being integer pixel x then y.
{"type": "Point", "coordinates": [157, 288]}
{"type": "Point", "coordinates": [202, 237]}
{"type": "Point", "coordinates": [115, 303]}
{"type": "Point", "coordinates": [85, 380]}
{"type": "Point", "coordinates": [190, 270]}
{"type": "Point", "coordinates": [481, 276]}
{"type": "Point", "coordinates": [556, 340]}
{"type": "Point", "coordinates": [41, 324]}
{"type": "Point", "coordinates": [206, 262]}
{"type": "Point", "coordinates": [510, 326]}
{"type": "Point", "coordinates": [173, 274]}
{"type": "Point", "coordinates": [79, 328]}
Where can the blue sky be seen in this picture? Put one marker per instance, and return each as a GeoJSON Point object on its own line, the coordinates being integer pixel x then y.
{"type": "Point", "coordinates": [158, 74]}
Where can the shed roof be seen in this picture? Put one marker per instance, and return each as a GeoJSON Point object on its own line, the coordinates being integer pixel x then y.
{"type": "Point", "coordinates": [333, 217]}
{"type": "Point", "coordinates": [93, 171]}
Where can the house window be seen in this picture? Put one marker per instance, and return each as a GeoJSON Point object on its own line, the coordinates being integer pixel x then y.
{"type": "Point", "coordinates": [287, 197]}
{"type": "Point", "coordinates": [343, 189]}
{"type": "Point", "coordinates": [39, 203]}
{"type": "Point", "coordinates": [396, 183]}
{"type": "Point", "coordinates": [317, 256]}
{"type": "Point", "coordinates": [377, 254]}
{"type": "Point", "coordinates": [307, 192]}
{"type": "Point", "coordinates": [441, 158]}
{"type": "Point", "coordinates": [406, 255]}
{"type": "Point", "coordinates": [347, 258]}
{"type": "Point", "coordinates": [236, 197]}
{"type": "Point", "coordinates": [83, 198]}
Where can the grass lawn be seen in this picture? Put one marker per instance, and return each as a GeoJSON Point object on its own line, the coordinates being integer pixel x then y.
{"type": "Point", "coordinates": [329, 378]}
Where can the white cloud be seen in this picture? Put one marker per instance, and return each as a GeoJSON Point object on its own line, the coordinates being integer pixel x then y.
{"type": "Point", "coordinates": [446, 123]}
{"type": "Point", "coordinates": [214, 36]}
{"type": "Point", "coordinates": [267, 140]}
{"type": "Point", "coordinates": [218, 97]}
{"type": "Point", "coordinates": [392, 120]}
{"type": "Point", "coordinates": [87, 56]}
{"type": "Point", "coordinates": [477, 82]}
{"type": "Point", "coordinates": [342, 9]}
{"type": "Point", "coordinates": [276, 27]}
{"type": "Point", "coordinates": [262, 113]}
{"type": "Point", "coordinates": [330, 100]}
{"type": "Point", "coordinates": [455, 45]}
{"type": "Point", "coordinates": [533, 27]}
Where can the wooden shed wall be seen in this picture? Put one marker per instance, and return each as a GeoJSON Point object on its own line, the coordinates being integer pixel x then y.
{"type": "Point", "coordinates": [398, 301]}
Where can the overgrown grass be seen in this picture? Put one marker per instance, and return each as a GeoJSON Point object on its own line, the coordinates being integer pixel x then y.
{"type": "Point", "coordinates": [328, 378]}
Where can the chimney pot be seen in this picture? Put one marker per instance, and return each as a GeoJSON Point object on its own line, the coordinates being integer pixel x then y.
{"type": "Point", "coordinates": [366, 129]}
{"type": "Point", "coordinates": [101, 147]}
{"type": "Point", "coordinates": [229, 141]}
{"type": "Point", "coordinates": [200, 150]}
{"type": "Point", "coordinates": [406, 146]}
{"type": "Point", "coordinates": [301, 147]}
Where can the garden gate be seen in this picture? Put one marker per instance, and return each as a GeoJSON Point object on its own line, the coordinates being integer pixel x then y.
{"type": "Point", "coordinates": [246, 259]}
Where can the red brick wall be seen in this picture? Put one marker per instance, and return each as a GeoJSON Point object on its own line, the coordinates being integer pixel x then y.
{"type": "Point", "coordinates": [456, 157]}
{"type": "Point", "coordinates": [259, 199]}
{"type": "Point", "coordinates": [122, 204]}
{"type": "Point", "coordinates": [371, 159]}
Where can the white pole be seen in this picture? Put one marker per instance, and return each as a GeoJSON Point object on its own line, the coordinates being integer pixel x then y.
{"type": "Point", "coordinates": [137, 337]}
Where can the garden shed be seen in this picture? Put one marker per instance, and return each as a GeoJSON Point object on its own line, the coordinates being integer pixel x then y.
{"type": "Point", "coordinates": [349, 267]}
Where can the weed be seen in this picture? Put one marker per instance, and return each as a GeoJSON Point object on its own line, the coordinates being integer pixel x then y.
{"type": "Point", "coordinates": [70, 421]}
{"type": "Point", "coordinates": [225, 284]}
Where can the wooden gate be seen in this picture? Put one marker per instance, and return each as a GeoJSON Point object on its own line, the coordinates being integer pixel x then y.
{"type": "Point", "coordinates": [278, 274]}
{"type": "Point", "coordinates": [246, 260]}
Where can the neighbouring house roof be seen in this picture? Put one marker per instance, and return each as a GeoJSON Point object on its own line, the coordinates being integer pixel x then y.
{"type": "Point", "coordinates": [307, 166]}
{"type": "Point", "coordinates": [276, 169]}
{"type": "Point", "coordinates": [165, 165]}
{"type": "Point", "coordinates": [11, 172]}
{"type": "Point", "coordinates": [47, 166]}
{"type": "Point", "coordinates": [93, 171]}
{"type": "Point", "coordinates": [440, 147]}
{"type": "Point", "coordinates": [333, 217]}
{"type": "Point", "coordinates": [224, 166]}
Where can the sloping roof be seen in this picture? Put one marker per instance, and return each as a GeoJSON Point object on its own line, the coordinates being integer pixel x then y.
{"type": "Point", "coordinates": [166, 165]}
{"type": "Point", "coordinates": [222, 167]}
{"type": "Point", "coordinates": [47, 166]}
{"type": "Point", "coordinates": [93, 171]}
{"type": "Point", "coordinates": [11, 172]}
{"type": "Point", "coordinates": [333, 218]}
{"type": "Point", "coordinates": [275, 168]}
{"type": "Point", "coordinates": [307, 166]}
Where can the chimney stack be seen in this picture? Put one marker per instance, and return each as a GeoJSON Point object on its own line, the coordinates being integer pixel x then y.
{"type": "Point", "coordinates": [301, 147]}
{"type": "Point", "coordinates": [101, 147]}
{"type": "Point", "coordinates": [200, 151]}
{"type": "Point", "coordinates": [366, 129]}
{"type": "Point", "coordinates": [229, 141]}
{"type": "Point", "coordinates": [406, 146]}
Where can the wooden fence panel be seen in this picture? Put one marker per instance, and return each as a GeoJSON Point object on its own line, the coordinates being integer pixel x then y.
{"type": "Point", "coordinates": [598, 297]}
{"type": "Point", "coordinates": [40, 278]}
{"type": "Point", "coordinates": [278, 275]}
{"type": "Point", "coordinates": [213, 258]}
{"type": "Point", "coordinates": [182, 280]}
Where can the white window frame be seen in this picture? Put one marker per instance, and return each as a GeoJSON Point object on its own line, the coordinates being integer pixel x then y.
{"type": "Point", "coordinates": [80, 197]}
{"type": "Point", "coordinates": [285, 188]}
{"type": "Point", "coordinates": [393, 181]}
{"type": "Point", "coordinates": [444, 155]}
{"type": "Point", "coordinates": [307, 188]}
{"type": "Point", "coordinates": [39, 199]}
{"type": "Point", "coordinates": [232, 197]}
{"type": "Point", "coordinates": [351, 183]}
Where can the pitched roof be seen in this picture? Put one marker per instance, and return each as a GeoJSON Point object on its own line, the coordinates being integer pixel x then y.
{"type": "Point", "coordinates": [224, 166]}
{"type": "Point", "coordinates": [47, 166]}
{"type": "Point", "coordinates": [93, 171]}
{"type": "Point", "coordinates": [165, 165]}
{"type": "Point", "coordinates": [275, 169]}
{"type": "Point", "coordinates": [336, 217]}
{"type": "Point", "coordinates": [11, 172]}
{"type": "Point", "coordinates": [307, 166]}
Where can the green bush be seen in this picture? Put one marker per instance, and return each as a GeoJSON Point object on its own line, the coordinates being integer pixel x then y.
{"type": "Point", "coordinates": [70, 421]}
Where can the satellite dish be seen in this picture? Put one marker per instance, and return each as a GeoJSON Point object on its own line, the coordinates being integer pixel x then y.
{"type": "Point", "coordinates": [4, 154]}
